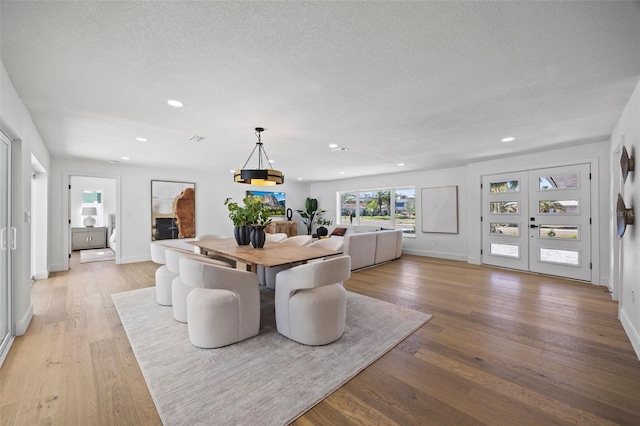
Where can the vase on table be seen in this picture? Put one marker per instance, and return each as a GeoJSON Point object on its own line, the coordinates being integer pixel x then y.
{"type": "Point", "coordinates": [242, 234]}
{"type": "Point", "coordinates": [258, 236]}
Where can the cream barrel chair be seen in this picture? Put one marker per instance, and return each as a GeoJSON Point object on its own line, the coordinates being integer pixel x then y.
{"type": "Point", "coordinates": [223, 306]}
{"type": "Point", "coordinates": [311, 303]}
{"type": "Point", "coordinates": [267, 276]}
{"type": "Point", "coordinates": [179, 290]}
{"type": "Point", "coordinates": [276, 238]}
{"type": "Point", "coordinates": [164, 274]}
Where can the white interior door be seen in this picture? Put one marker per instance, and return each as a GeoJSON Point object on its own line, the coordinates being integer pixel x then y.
{"type": "Point", "coordinates": [560, 221]}
{"type": "Point", "coordinates": [539, 221]}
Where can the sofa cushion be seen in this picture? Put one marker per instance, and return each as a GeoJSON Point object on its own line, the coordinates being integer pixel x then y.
{"type": "Point", "coordinates": [361, 248]}
{"type": "Point", "coordinates": [387, 245]}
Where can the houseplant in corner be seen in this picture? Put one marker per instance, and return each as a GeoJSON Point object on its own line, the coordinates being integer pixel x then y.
{"type": "Point", "coordinates": [310, 213]}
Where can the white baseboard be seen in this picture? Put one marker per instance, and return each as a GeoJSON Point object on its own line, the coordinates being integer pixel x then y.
{"type": "Point", "coordinates": [631, 331]}
{"type": "Point", "coordinates": [42, 275]}
{"type": "Point", "coordinates": [23, 323]}
{"type": "Point", "coordinates": [439, 255]}
{"type": "Point", "coordinates": [473, 260]}
{"type": "Point", "coordinates": [57, 268]}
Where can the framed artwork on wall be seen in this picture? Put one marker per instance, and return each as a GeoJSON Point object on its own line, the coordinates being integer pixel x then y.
{"type": "Point", "coordinates": [274, 201]}
{"type": "Point", "coordinates": [173, 210]}
{"type": "Point", "coordinates": [440, 209]}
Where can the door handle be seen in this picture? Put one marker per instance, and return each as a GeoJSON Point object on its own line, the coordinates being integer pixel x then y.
{"type": "Point", "coordinates": [14, 238]}
{"type": "Point", "coordinates": [533, 226]}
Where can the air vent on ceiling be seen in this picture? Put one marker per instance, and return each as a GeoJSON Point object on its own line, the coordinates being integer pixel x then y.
{"type": "Point", "coordinates": [196, 138]}
{"type": "Point", "coordinates": [339, 149]}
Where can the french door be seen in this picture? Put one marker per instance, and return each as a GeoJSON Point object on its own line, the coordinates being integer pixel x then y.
{"type": "Point", "coordinates": [7, 244]}
{"type": "Point", "coordinates": [539, 221]}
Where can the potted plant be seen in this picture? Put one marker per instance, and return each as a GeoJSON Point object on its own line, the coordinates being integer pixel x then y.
{"type": "Point", "coordinates": [238, 216]}
{"type": "Point", "coordinates": [258, 217]}
{"type": "Point", "coordinates": [322, 231]}
{"type": "Point", "coordinates": [310, 213]}
{"type": "Point", "coordinates": [252, 217]}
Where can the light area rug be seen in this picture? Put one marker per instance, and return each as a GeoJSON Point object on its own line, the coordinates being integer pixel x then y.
{"type": "Point", "coordinates": [264, 380]}
{"type": "Point", "coordinates": [96, 255]}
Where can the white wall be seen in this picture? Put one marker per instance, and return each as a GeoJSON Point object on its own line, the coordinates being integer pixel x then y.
{"type": "Point", "coordinates": [15, 118]}
{"type": "Point", "coordinates": [134, 220]}
{"type": "Point", "coordinates": [627, 132]}
{"type": "Point", "coordinates": [467, 243]}
{"type": "Point", "coordinates": [449, 246]}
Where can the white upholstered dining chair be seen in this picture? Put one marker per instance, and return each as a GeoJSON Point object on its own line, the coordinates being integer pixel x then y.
{"type": "Point", "coordinates": [311, 302]}
{"type": "Point", "coordinates": [223, 306]}
{"type": "Point", "coordinates": [180, 290]}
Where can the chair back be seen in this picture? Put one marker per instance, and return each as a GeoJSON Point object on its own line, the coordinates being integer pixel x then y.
{"type": "Point", "coordinates": [157, 253]}
{"type": "Point", "coordinates": [173, 259]}
{"type": "Point", "coordinates": [334, 270]}
{"type": "Point", "coordinates": [329, 243]}
{"type": "Point", "coordinates": [277, 238]}
{"type": "Point", "coordinates": [298, 240]}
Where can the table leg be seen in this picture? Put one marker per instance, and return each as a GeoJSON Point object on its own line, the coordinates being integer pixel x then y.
{"type": "Point", "coordinates": [251, 267]}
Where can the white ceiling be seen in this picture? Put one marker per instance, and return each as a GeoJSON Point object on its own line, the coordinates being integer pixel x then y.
{"type": "Point", "coordinates": [427, 84]}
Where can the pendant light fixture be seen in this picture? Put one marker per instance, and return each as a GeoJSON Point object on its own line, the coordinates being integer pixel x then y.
{"type": "Point", "coordinates": [260, 176]}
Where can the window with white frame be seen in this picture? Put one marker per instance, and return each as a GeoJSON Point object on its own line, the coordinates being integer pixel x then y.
{"type": "Point", "coordinates": [384, 207]}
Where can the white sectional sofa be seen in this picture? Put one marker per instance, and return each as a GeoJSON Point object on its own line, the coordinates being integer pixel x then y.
{"type": "Point", "coordinates": [368, 246]}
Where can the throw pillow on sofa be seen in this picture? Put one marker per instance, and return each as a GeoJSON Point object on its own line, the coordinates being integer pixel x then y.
{"type": "Point", "coordinates": [339, 232]}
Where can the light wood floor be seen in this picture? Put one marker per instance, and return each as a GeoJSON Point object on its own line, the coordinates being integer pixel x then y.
{"type": "Point", "coordinates": [503, 348]}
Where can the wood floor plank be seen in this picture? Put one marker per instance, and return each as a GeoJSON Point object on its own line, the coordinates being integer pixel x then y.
{"type": "Point", "coordinates": [503, 347]}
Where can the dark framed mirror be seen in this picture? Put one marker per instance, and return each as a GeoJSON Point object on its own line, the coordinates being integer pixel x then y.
{"type": "Point", "coordinates": [624, 216]}
{"type": "Point", "coordinates": [627, 164]}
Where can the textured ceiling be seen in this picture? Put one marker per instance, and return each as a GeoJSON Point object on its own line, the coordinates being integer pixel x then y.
{"type": "Point", "coordinates": [427, 84]}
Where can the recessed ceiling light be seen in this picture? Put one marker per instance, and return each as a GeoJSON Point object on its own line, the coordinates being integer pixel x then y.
{"type": "Point", "coordinates": [141, 139]}
{"type": "Point", "coordinates": [400, 164]}
{"type": "Point", "coordinates": [509, 139]}
{"type": "Point", "coordinates": [341, 173]}
{"type": "Point", "coordinates": [125, 158]}
{"type": "Point", "coordinates": [299, 178]}
{"type": "Point", "coordinates": [175, 103]}
{"type": "Point", "coordinates": [333, 145]}
{"type": "Point", "coordinates": [272, 161]}
{"type": "Point", "coordinates": [232, 171]}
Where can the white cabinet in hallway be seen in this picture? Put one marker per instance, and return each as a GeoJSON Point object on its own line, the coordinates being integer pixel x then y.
{"type": "Point", "coordinates": [88, 238]}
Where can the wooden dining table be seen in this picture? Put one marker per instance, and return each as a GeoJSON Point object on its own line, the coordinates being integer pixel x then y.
{"type": "Point", "coordinates": [248, 258]}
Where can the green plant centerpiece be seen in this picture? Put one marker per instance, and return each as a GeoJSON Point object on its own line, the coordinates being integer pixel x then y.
{"type": "Point", "coordinates": [253, 217]}
{"type": "Point", "coordinates": [310, 214]}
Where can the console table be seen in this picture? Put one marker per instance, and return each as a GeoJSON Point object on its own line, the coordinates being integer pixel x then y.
{"type": "Point", "coordinates": [289, 227]}
{"type": "Point", "coordinates": [88, 238]}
